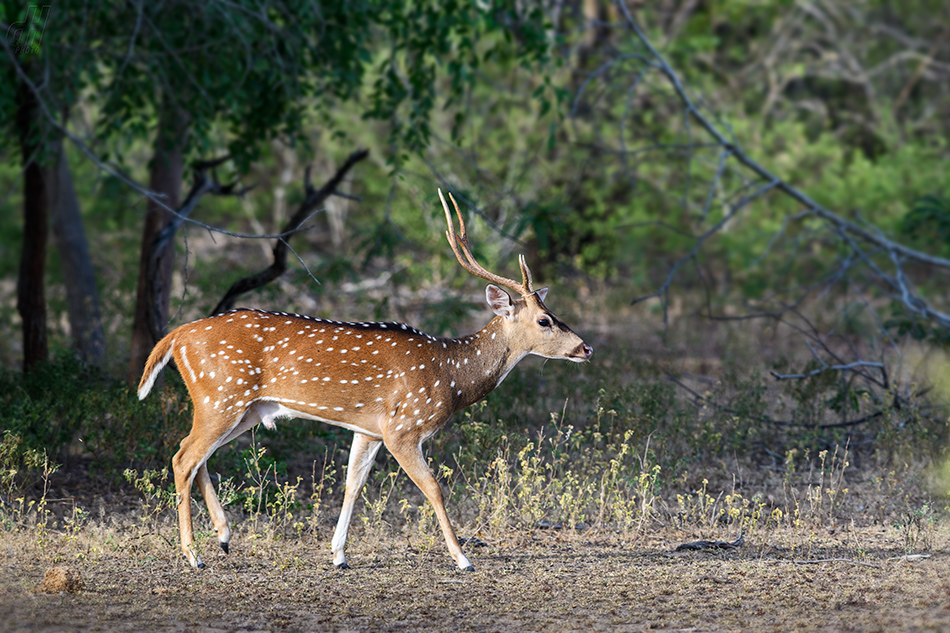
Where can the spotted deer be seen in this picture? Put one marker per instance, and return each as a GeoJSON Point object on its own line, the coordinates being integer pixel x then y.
{"type": "Point", "coordinates": [387, 382]}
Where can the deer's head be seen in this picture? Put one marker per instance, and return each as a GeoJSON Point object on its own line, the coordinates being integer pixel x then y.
{"type": "Point", "coordinates": [528, 325]}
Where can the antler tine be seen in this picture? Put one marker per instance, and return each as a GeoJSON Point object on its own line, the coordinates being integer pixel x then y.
{"type": "Point", "coordinates": [463, 238]}
{"type": "Point", "coordinates": [463, 253]}
{"type": "Point", "coordinates": [525, 275]}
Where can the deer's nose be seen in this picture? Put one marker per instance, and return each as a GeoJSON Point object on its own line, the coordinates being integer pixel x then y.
{"type": "Point", "coordinates": [587, 349]}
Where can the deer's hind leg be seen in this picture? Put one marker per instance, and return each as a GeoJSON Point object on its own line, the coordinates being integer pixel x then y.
{"type": "Point", "coordinates": [215, 509]}
{"type": "Point", "coordinates": [190, 458]}
{"type": "Point", "coordinates": [210, 431]}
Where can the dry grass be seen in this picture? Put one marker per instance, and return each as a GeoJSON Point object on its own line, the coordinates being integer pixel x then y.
{"type": "Point", "coordinates": [839, 567]}
{"type": "Point", "coordinates": [531, 580]}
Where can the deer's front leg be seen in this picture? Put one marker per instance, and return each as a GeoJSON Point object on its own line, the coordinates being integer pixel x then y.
{"type": "Point", "coordinates": [410, 457]}
{"type": "Point", "coordinates": [362, 454]}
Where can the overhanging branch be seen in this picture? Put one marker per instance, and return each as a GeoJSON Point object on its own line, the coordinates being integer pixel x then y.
{"type": "Point", "coordinates": [313, 201]}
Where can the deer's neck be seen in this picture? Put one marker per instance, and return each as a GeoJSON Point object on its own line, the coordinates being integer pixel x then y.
{"type": "Point", "coordinates": [477, 363]}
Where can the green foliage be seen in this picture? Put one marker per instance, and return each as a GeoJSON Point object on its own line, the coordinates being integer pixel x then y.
{"type": "Point", "coordinates": [45, 408]}
{"type": "Point", "coordinates": [929, 222]}
{"type": "Point", "coordinates": [241, 74]}
{"type": "Point", "coordinates": [460, 36]}
{"type": "Point", "coordinates": [30, 43]}
{"type": "Point", "coordinates": [214, 72]}
{"type": "Point", "coordinates": [63, 406]}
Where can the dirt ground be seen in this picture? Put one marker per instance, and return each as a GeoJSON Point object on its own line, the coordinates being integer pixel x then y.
{"type": "Point", "coordinates": [539, 581]}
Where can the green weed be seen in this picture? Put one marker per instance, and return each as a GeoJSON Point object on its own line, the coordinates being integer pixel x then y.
{"type": "Point", "coordinates": [917, 526]}
{"type": "Point", "coordinates": [158, 493]}
{"type": "Point", "coordinates": [22, 469]}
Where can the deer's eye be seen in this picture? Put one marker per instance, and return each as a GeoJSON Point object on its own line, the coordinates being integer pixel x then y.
{"type": "Point", "coordinates": [544, 322]}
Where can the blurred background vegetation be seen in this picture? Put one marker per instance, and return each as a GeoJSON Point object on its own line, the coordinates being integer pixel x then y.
{"type": "Point", "coordinates": [560, 128]}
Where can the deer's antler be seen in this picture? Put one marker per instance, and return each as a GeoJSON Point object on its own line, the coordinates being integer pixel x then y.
{"type": "Point", "coordinates": [463, 253]}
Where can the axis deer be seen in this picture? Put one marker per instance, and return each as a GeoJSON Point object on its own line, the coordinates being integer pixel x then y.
{"type": "Point", "coordinates": [387, 382]}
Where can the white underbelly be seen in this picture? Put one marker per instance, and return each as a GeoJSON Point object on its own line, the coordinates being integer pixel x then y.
{"type": "Point", "coordinates": [269, 410]}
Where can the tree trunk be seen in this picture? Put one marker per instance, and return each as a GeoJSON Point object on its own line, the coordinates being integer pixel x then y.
{"type": "Point", "coordinates": [82, 295]}
{"type": "Point", "coordinates": [164, 179]}
{"type": "Point", "coordinates": [31, 298]}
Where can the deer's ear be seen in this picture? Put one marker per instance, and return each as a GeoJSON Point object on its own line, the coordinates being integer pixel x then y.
{"type": "Point", "coordinates": [499, 301]}
{"type": "Point", "coordinates": [542, 293]}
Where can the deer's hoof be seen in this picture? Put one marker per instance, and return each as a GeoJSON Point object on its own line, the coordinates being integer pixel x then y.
{"type": "Point", "coordinates": [342, 566]}
{"type": "Point", "coordinates": [469, 568]}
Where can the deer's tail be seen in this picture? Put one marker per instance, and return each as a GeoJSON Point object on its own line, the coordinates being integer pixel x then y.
{"type": "Point", "coordinates": [161, 354]}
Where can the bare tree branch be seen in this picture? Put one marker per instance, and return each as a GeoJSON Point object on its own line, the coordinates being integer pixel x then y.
{"type": "Point", "coordinates": [826, 367]}
{"type": "Point", "coordinates": [314, 200]}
